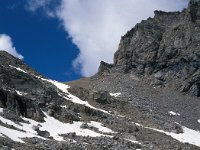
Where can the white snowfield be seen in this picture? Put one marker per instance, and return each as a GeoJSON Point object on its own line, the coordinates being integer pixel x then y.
{"type": "Point", "coordinates": [53, 126]}
{"type": "Point", "coordinates": [171, 113]}
{"type": "Point", "coordinates": [115, 94]}
{"type": "Point", "coordinates": [188, 136]}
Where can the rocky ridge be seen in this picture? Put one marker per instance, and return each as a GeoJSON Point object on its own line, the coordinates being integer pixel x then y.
{"type": "Point", "coordinates": [163, 50]}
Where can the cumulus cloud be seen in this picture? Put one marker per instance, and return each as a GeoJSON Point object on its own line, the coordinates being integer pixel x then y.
{"type": "Point", "coordinates": [7, 45]}
{"type": "Point", "coordinates": [96, 26]}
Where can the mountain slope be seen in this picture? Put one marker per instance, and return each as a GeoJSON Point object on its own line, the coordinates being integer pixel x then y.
{"type": "Point", "coordinates": [134, 103]}
{"type": "Point", "coordinates": [165, 50]}
{"type": "Point", "coordinates": [38, 113]}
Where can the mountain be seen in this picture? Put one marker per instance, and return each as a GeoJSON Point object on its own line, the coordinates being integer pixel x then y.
{"type": "Point", "coordinates": [147, 99]}
{"type": "Point", "coordinates": [164, 50]}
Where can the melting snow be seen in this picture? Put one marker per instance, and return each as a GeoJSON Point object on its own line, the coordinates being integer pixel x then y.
{"type": "Point", "coordinates": [133, 141]}
{"type": "Point", "coordinates": [19, 69]}
{"type": "Point", "coordinates": [173, 113]}
{"type": "Point", "coordinates": [1, 110]}
{"type": "Point", "coordinates": [14, 134]}
{"type": "Point", "coordinates": [64, 106]}
{"type": "Point", "coordinates": [115, 94]}
{"type": "Point", "coordinates": [188, 136]}
{"type": "Point", "coordinates": [20, 93]}
{"type": "Point", "coordinates": [53, 126]}
{"type": "Point", "coordinates": [198, 121]}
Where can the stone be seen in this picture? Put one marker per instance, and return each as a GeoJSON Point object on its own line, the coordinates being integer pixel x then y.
{"type": "Point", "coordinates": [45, 134]}
{"type": "Point", "coordinates": [101, 97]}
{"type": "Point", "coordinates": [84, 126]}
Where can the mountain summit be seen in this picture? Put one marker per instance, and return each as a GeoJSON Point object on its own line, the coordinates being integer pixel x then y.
{"type": "Point", "coordinates": [164, 50]}
{"type": "Point", "coordinates": [147, 99]}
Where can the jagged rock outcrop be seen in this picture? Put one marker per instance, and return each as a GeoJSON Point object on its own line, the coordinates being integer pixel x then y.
{"type": "Point", "coordinates": [165, 49]}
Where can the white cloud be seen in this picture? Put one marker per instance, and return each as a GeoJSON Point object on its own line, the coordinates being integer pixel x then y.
{"type": "Point", "coordinates": [96, 26]}
{"type": "Point", "coordinates": [48, 6]}
{"type": "Point", "coordinates": [7, 45]}
{"type": "Point", "coordinates": [36, 4]}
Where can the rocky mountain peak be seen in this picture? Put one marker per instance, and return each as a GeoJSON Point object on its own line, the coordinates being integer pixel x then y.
{"type": "Point", "coordinates": [168, 45]}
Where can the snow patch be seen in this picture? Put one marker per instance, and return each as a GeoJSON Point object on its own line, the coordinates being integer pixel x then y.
{"type": "Point", "coordinates": [17, 68]}
{"type": "Point", "coordinates": [133, 141]}
{"type": "Point", "coordinates": [1, 110]}
{"type": "Point", "coordinates": [20, 93]}
{"type": "Point", "coordinates": [121, 116]}
{"type": "Point", "coordinates": [198, 121]}
{"type": "Point", "coordinates": [188, 136]}
{"type": "Point", "coordinates": [64, 106]}
{"type": "Point", "coordinates": [53, 126]}
{"type": "Point", "coordinates": [14, 134]}
{"type": "Point", "coordinates": [9, 122]}
{"type": "Point", "coordinates": [115, 94]}
{"type": "Point", "coordinates": [171, 113]}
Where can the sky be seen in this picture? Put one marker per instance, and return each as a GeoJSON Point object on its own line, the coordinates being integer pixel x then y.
{"type": "Point", "coordinates": [66, 39]}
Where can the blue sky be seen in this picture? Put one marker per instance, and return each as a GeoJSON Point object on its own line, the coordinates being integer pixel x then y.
{"type": "Point", "coordinates": [67, 39]}
{"type": "Point", "coordinates": [40, 39]}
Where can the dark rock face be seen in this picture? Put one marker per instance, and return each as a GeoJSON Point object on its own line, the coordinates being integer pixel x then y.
{"type": "Point", "coordinates": [168, 45]}
{"type": "Point", "coordinates": [20, 105]}
{"type": "Point", "coordinates": [104, 68]}
{"type": "Point", "coordinates": [23, 93]}
{"type": "Point", "coordinates": [194, 6]}
{"type": "Point", "coordinates": [101, 97]}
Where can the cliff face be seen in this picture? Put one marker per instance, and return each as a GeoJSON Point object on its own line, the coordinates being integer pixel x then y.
{"type": "Point", "coordinates": [165, 49]}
